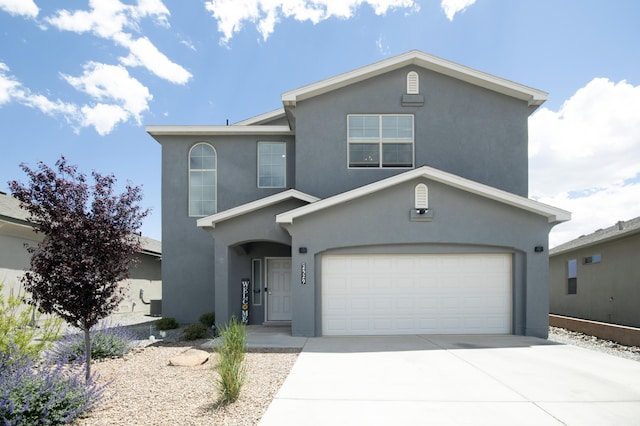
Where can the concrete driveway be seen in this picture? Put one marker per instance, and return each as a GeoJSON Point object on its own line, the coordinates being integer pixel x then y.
{"type": "Point", "coordinates": [455, 380]}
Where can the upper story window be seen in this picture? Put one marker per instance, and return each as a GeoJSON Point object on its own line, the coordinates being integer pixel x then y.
{"type": "Point", "coordinates": [272, 164]}
{"type": "Point", "coordinates": [202, 180]}
{"type": "Point", "coordinates": [380, 140]}
{"type": "Point", "coordinates": [413, 83]}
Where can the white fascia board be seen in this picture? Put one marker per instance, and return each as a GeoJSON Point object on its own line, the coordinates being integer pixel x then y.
{"type": "Point", "coordinates": [530, 95]}
{"type": "Point", "coordinates": [210, 221]}
{"type": "Point", "coordinates": [267, 116]}
{"type": "Point", "coordinates": [553, 214]}
{"type": "Point", "coordinates": [218, 130]}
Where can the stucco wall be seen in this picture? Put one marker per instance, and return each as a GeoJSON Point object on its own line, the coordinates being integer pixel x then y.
{"type": "Point", "coordinates": [608, 291]}
{"type": "Point", "coordinates": [14, 260]}
{"type": "Point", "coordinates": [462, 222]}
{"type": "Point", "coordinates": [462, 129]}
{"type": "Point", "coordinates": [188, 252]}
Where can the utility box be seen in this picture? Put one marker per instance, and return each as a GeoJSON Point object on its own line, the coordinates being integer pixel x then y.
{"type": "Point", "coordinates": [156, 308]}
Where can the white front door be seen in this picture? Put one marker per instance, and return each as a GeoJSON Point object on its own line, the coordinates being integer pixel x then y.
{"type": "Point", "coordinates": [278, 289]}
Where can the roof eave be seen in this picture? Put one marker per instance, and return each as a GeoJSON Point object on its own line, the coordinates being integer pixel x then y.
{"type": "Point", "coordinates": [212, 220]}
{"type": "Point", "coordinates": [217, 130]}
{"type": "Point", "coordinates": [533, 97]}
{"type": "Point", "coordinates": [553, 214]}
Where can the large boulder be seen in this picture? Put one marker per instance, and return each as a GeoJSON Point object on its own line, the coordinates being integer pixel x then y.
{"type": "Point", "coordinates": [190, 358]}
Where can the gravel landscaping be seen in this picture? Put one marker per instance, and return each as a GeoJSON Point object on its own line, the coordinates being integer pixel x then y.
{"type": "Point", "coordinates": [145, 390]}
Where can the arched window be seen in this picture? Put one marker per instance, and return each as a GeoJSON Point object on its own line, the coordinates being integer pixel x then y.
{"type": "Point", "coordinates": [202, 180]}
{"type": "Point", "coordinates": [421, 197]}
{"type": "Point", "coordinates": [413, 83]}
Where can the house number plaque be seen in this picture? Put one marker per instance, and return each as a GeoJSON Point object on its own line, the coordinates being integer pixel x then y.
{"type": "Point", "coordinates": [245, 301]}
{"type": "Point", "coordinates": [303, 273]}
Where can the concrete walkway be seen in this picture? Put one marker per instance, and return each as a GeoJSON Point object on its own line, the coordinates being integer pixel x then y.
{"type": "Point", "coordinates": [455, 380]}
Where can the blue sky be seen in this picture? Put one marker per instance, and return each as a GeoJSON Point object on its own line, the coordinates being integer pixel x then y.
{"type": "Point", "coordinates": [83, 78]}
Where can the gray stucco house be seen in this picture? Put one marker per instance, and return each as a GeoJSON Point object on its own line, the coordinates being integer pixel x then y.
{"type": "Point", "coordinates": [16, 232]}
{"type": "Point", "coordinates": [597, 276]}
{"type": "Point", "coordinates": [391, 199]}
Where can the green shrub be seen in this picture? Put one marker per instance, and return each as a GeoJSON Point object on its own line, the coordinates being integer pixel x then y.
{"type": "Point", "coordinates": [208, 319]}
{"type": "Point", "coordinates": [231, 369]}
{"type": "Point", "coordinates": [195, 331]}
{"type": "Point", "coordinates": [107, 341]}
{"type": "Point", "coordinates": [167, 324]}
{"type": "Point", "coordinates": [18, 330]}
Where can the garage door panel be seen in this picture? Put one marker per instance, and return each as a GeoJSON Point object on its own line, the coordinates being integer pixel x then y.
{"type": "Point", "coordinates": [413, 294]}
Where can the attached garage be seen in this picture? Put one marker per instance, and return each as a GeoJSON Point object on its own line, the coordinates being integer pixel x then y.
{"type": "Point", "coordinates": [416, 294]}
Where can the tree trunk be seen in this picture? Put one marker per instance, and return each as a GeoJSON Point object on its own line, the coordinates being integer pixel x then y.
{"type": "Point", "coordinates": [87, 346]}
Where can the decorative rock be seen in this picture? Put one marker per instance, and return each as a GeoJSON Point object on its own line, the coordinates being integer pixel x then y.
{"type": "Point", "coordinates": [190, 358]}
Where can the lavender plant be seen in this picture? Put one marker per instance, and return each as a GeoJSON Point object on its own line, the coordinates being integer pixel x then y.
{"type": "Point", "coordinates": [107, 341]}
{"type": "Point", "coordinates": [45, 394]}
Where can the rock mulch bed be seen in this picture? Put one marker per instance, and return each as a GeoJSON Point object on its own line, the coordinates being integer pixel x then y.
{"type": "Point", "coordinates": [561, 335]}
{"type": "Point", "coordinates": [146, 390]}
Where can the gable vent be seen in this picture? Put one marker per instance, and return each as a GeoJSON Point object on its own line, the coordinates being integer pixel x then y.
{"type": "Point", "coordinates": [413, 84]}
{"type": "Point", "coordinates": [421, 197]}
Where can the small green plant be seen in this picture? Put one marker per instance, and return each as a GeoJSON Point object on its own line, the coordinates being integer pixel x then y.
{"type": "Point", "coordinates": [21, 328]}
{"type": "Point", "coordinates": [208, 319]}
{"type": "Point", "coordinates": [231, 369]}
{"type": "Point", "coordinates": [195, 331]}
{"type": "Point", "coordinates": [167, 323]}
{"type": "Point", "coordinates": [107, 341]}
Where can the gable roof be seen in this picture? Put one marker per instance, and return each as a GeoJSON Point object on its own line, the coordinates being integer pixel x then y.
{"type": "Point", "coordinates": [553, 214]}
{"type": "Point", "coordinates": [212, 220]}
{"type": "Point", "coordinates": [10, 211]}
{"type": "Point", "coordinates": [533, 97]}
{"type": "Point", "coordinates": [621, 229]}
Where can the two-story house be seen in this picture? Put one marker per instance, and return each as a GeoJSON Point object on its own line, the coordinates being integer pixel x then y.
{"type": "Point", "coordinates": [391, 199]}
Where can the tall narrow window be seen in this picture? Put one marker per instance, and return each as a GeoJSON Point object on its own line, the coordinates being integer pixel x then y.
{"type": "Point", "coordinates": [256, 281]}
{"type": "Point", "coordinates": [572, 277]}
{"type": "Point", "coordinates": [272, 164]}
{"type": "Point", "coordinates": [380, 140]}
{"type": "Point", "coordinates": [202, 180]}
{"type": "Point", "coordinates": [413, 83]}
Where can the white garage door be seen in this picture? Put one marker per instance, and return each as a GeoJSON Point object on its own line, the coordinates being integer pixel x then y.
{"type": "Point", "coordinates": [416, 294]}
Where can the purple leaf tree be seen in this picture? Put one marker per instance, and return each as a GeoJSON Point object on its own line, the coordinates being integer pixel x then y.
{"type": "Point", "coordinates": [89, 238]}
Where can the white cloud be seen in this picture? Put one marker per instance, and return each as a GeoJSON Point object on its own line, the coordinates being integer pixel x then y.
{"type": "Point", "coordinates": [25, 8]}
{"type": "Point", "coordinates": [232, 14]}
{"type": "Point", "coordinates": [8, 85]}
{"type": "Point", "coordinates": [451, 7]}
{"type": "Point", "coordinates": [144, 53]}
{"type": "Point", "coordinates": [584, 157]}
{"type": "Point", "coordinates": [110, 19]}
{"type": "Point", "coordinates": [114, 84]}
{"type": "Point", "coordinates": [117, 97]}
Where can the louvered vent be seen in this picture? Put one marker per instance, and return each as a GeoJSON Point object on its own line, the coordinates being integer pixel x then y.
{"type": "Point", "coordinates": [421, 197]}
{"type": "Point", "coordinates": [413, 85]}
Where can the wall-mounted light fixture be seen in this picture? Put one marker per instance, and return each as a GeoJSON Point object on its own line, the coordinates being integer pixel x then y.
{"type": "Point", "coordinates": [538, 249]}
{"type": "Point", "coordinates": [302, 250]}
{"type": "Point", "coordinates": [421, 211]}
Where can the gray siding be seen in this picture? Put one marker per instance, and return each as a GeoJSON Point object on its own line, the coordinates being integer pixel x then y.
{"type": "Point", "coordinates": [608, 291]}
{"type": "Point", "coordinates": [461, 128]}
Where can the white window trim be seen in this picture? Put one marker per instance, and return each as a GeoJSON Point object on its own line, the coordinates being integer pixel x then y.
{"type": "Point", "coordinates": [189, 170]}
{"type": "Point", "coordinates": [258, 161]}
{"type": "Point", "coordinates": [380, 142]}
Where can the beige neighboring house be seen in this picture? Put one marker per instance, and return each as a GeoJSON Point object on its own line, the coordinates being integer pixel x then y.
{"type": "Point", "coordinates": [16, 232]}
{"type": "Point", "coordinates": [597, 276]}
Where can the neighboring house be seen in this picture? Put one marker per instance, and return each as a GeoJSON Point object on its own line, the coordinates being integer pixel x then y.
{"type": "Point", "coordinates": [597, 276]}
{"type": "Point", "coordinates": [16, 232]}
{"type": "Point", "coordinates": [391, 199]}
